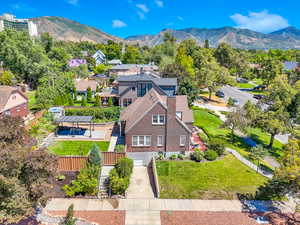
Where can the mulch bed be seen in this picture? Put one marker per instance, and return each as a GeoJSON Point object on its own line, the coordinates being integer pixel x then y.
{"type": "Point", "coordinates": [99, 217]}
{"type": "Point", "coordinates": [205, 218]}
{"type": "Point", "coordinates": [69, 176]}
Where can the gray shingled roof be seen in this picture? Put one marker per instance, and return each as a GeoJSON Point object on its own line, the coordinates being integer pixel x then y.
{"type": "Point", "coordinates": [147, 77]}
{"type": "Point", "coordinates": [130, 66]}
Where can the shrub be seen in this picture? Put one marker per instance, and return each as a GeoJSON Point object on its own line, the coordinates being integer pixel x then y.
{"type": "Point", "coordinates": [173, 157]}
{"type": "Point", "coordinates": [230, 102]}
{"type": "Point", "coordinates": [110, 102]}
{"type": "Point", "coordinates": [89, 94]}
{"type": "Point", "coordinates": [83, 101]}
{"type": "Point", "coordinates": [97, 101]}
{"type": "Point", "coordinates": [69, 220]}
{"type": "Point", "coordinates": [94, 157]}
{"type": "Point", "coordinates": [120, 148]}
{"type": "Point", "coordinates": [217, 145]}
{"type": "Point", "coordinates": [124, 167]}
{"type": "Point", "coordinates": [86, 182]}
{"type": "Point", "coordinates": [197, 155]}
{"type": "Point", "coordinates": [210, 155]}
{"type": "Point", "coordinates": [109, 114]}
{"type": "Point", "coordinates": [117, 184]}
{"type": "Point", "coordinates": [180, 156]}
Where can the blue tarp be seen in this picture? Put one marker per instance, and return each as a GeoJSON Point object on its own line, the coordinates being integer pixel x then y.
{"type": "Point", "coordinates": [249, 142]}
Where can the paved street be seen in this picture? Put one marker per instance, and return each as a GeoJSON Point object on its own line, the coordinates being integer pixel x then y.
{"type": "Point", "coordinates": [241, 96]}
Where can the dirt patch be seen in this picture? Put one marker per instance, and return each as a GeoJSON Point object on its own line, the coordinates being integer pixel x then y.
{"type": "Point", "coordinates": [69, 177]}
{"type": "Point", "coordinates": [205, 218]}
{"type": "Point", "coordinates": [216, 101]}
{"type": "Point", "coordinates": [99, 217]}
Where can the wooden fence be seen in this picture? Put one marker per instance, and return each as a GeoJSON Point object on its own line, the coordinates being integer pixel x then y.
{"type": "Point", "coordinates": [76, 163]}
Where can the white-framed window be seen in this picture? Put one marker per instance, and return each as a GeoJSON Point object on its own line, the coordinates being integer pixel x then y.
{"type": "Point", "coordinates": [141, 140]}
{"type": "Point", "coordinates": [158, 119]}
{"type": "Point", "coordinates": [160, 140]}
{"type": "Point", "coordinates": [182, 140]}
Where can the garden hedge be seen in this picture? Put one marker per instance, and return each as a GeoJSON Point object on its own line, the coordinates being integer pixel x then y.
{"type": "Point", "coordinates": [108, 114]}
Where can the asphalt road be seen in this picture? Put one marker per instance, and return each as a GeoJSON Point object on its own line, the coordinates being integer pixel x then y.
{"type": "Point", "coordinates": [241, 96]}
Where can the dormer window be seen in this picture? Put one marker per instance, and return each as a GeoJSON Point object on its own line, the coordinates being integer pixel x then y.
{"type": "Point", "coordinates": [14, 97]}
{"type": "Point", "coordinates": [158, 119]}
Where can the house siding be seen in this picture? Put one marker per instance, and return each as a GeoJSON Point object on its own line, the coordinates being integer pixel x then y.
{"type": "Point", "coordinates": [18, 111]}
{"type": "Point", "coordinates": [171, 142]}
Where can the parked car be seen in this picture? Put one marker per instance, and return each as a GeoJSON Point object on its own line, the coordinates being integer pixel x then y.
{"type": "Point", "coordinates": [258, 97]}
{"type": "Point", "coordinates": [220, 94]}
{"type": "Point", "coordinates": [235, 101]}
{"type": "Point", "coordinates": [260, 87]}
{"type": "Point", "coordinates": [241, 80]}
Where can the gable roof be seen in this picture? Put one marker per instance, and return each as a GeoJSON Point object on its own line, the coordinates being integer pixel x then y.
{"type": "Point", "coordinates": [139, 108]}
{"type": "Point", "coordinates": [131, 66]}
{"type": "Point", "coordinates": [5, 93]}
{"type": "Point", "coordinates": [82, 85]}
{"type": "Point", "coordinates": [149, 77]}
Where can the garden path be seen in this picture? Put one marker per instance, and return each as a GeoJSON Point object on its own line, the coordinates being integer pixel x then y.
{"type": "Point", "coordinates": [250, 164]}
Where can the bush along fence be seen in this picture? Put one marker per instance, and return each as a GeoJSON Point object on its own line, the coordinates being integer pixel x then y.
{"type": "Point", "coordinates": [87, 181]}
{"type": "Point", "coordinates": [154, 170]}
{"type": "Point", "coordinates": [119, 177]}
{"type": "Point", "coordinates": [105, 114]}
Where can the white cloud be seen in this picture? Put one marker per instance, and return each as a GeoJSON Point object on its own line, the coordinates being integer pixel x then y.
{"type": "Point", "coordinates": [73, 2]}
{"type": "Point", "coordinates": [159, 3]}
{"type": "Point", "coordinates": [260, 21]}
{"type": "Point", "coordinates": [22, 7]}
{"type": "Point", "coordinates": [141, 15]}
{"type": "Point", "coordinates": [180, 18]}
{"type": "Point", "coordinates": [118, 24]}
{"type": "Point", "coordinates": [142, 7]}
{"type": "Point", "coordinates": [169, 24]}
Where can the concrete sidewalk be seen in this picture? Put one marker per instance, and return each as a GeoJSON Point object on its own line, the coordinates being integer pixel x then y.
{"type": "Point", "coordinates": [165, 204]}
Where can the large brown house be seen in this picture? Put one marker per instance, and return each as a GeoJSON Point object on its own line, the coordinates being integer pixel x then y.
{"type": "Point", "coordinates": [157, 123]}
{"type": "Point", "coordinates": [13, 102]}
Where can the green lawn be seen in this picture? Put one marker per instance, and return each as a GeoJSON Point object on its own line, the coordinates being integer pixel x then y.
{"type": "Point", "coordinates": [76, 147]}
{"type": "Point", "coordinates": [211, 125]}
{"type": "Point", "coordinates": [220, 179]}
{"type": "Point", "coordinates": [245, 85]}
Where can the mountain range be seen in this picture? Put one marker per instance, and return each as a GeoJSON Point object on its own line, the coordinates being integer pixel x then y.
{"type": "Point", "coordinates": [69, 30]}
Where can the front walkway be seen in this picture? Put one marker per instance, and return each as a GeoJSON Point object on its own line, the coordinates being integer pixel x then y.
{"type": "Point", "coordinates": [140, 187]}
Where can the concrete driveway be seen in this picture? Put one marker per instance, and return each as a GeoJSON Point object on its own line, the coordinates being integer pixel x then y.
{"type": "Point", "coordinates": [140, 186]}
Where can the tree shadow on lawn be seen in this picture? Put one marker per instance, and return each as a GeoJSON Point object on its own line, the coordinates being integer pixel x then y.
{"type": "Point", "coordinates": [272, 151]}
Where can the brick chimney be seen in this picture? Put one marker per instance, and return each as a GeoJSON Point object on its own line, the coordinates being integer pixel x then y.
{"type": "Point", "coordinates": [170, 123]}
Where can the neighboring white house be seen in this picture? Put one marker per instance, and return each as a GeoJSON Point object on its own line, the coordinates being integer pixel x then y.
{"type": "Point", "coordinates": [99, 57]}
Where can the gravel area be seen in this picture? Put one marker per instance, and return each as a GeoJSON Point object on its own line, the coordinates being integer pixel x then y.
{"type": "Point", "coordinates": [99, 217]}
{"type": "Point", "coordinates": [205, 218]}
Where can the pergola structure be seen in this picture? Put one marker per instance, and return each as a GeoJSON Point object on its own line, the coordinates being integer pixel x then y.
{"type": "Point", "coordinates": [75, 120]}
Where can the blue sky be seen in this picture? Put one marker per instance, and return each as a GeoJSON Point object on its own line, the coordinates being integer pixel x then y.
{"type": "Point", "coordinates": [130, 17]}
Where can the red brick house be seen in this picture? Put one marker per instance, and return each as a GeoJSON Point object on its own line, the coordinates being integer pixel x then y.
{"type": "Point", "coordinates": [13, 102]}
{"type": "Point", "coordinates": [157, 123]}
